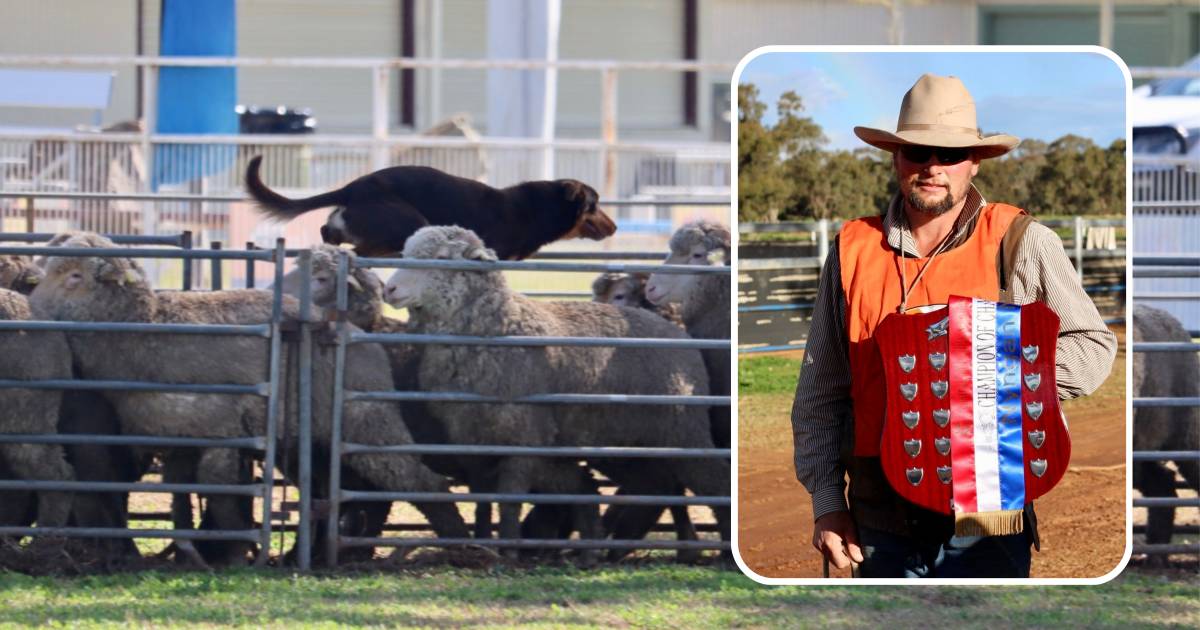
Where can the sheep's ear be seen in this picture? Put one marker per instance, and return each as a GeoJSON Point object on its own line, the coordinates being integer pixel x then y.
{"type": "Point", "coordinates": [354, 283]}
{"type": "Point", "coordinates": [481, 254]}
{"type": "Point", "coordinates": [117, 271]}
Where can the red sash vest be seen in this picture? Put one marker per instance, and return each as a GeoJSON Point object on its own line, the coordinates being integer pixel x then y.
{"type": "Point", "coordinates": [871, 285]}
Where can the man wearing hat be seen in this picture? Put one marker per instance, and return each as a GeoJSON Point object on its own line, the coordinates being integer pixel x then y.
{"type": "Point", "coordinates": [938, 237]}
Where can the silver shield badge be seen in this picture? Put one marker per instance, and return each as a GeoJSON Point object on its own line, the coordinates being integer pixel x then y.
{"type": "Point", "coordinates": [943, 473]}
{"type": "Point", "coordinates": [1033, 380]}
{"type": "Point", "coordinates": [1034, 409]}
{"type": "Point", "coordinates": [938, 329]}
{"type": "Point", "coordinates": [910, 418]}
{"type": "Point", "coordinates": [1030, 353]}
{"type": "Point", "coordinates": [912, 447]}
{"type": "Point", "coordinates": [908, 390]}
{"type": "Point", "coordinates": [942, 445]}
{"type": "Point", "coordinates": [915, 475]}
{"type": "Point", "coordinates": [1037, 438]}
{"type": "Point", "coordinates": [939, 388]}
{"type": "Point", "coordinates": [937, 360]}
{"type": "Point", "coordinates": [1038, 466]}
{"type": "Point", "coordinates": [941, 417]}
{"type": "Point", "coordinates": [907, 362]}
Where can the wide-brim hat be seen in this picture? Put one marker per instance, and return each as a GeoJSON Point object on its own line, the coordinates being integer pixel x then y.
{"type": "Point", "coordinates": [938, 112]}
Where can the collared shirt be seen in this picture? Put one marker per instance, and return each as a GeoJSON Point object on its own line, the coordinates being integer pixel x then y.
{"type": "Point", "coordinates": [822, 415]}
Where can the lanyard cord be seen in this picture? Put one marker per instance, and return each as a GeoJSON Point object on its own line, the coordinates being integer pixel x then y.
{"type": "Point", "coordinates": [904, 286]}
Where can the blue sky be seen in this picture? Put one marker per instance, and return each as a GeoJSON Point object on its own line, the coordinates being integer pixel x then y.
{"type": "Point", "coordinates": [1028, 94]}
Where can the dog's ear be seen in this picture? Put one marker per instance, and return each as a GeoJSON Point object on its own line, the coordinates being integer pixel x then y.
{"type": "Point", "coordinates": [580, 193]}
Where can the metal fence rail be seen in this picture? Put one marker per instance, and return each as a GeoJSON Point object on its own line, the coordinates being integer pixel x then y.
{"type": "Point", "coordinates": [1190, 263]}
{"type": "Point", "coordinates": [268, 389]}
{"type": "Point", "coordinates": [345, 337]}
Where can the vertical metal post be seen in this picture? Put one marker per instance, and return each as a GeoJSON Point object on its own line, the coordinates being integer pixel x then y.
{"type": "Point", "coordinates": [335, 435]}
{"type": "Point", "coordinates": [250, 246]}
{"type": "Point", "coordinates": [608, 129]}
{"type": "Point", "coordinates": [304, 533]}
{"type": "Point", "coordinates": [217, 282]}
{"type": "Point", "coordinates": [379, 117]}
{"type": "Point", "coordinates": [1079, 246]}
{"type": "Point", "coordinates": [185, 242]}
{"type": "Point", "coordinates": [149, 122]}
{"type": "Point", "coordinates": [273, 394]}
{"type": "Point", "coordinates": [1106, 23]}
{"type": "Point", "coordinates": [29, 214]}
{"type": "Point", "coordinates": [823, 241]}
{"type": "Point", "coordinates": [550, 88]}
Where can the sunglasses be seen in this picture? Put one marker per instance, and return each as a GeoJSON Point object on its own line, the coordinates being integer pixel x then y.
{"type": "Point", "coordinates": [918, 154]}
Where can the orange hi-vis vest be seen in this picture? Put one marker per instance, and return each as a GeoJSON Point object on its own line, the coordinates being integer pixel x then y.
{"type": "Point", "coordinates": [871, 285]}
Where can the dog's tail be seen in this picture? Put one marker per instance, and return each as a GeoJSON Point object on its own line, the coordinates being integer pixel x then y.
{"type": "Point", "coordinates": [280, 207]}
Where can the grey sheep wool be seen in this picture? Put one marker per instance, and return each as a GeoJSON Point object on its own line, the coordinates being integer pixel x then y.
{"type": "Point", "coordinates": [705, 302]}
{"type": "Point", "coordinates": [629, 289]}
{"type": "Point", "coordinates": [480, 303]}
{"type": "Point", "coordinates": [33, 356]}
{"type": "Point", "coordinates": [115, 289]}
{"type": "Point", "coordinates": [1163, 374]}
{"type": "Point", "coordinates": [19, 273]}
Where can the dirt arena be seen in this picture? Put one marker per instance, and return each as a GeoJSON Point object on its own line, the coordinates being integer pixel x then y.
{"type": "Point", "coordinates": [1081, 521]}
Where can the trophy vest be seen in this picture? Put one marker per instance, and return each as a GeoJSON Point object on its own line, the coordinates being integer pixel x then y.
{"type": "Point", "coordinates": [871, 286]}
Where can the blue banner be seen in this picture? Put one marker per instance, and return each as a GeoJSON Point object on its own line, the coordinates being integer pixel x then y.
{"type": "Point", "coordinates": [1008, 406]}
{"type": "Point", "coordinates": [196, 100]}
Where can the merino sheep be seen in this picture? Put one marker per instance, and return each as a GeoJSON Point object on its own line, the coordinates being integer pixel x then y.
{"type": "Point", "coordinates": [31, 356]}
{"type": "Point", "coordinates": [704, 304]}
{"type": "Point", "coordinates": [480, 303]}
{"type": "Point", "coordinates": [629, 289]}
{"type": "Point", "coordinates": [1164, 374]}
{"type": "Point", "coordinates": [19, 273]}
{"type": "Point", "coordinates": [364, 309]}
{"type": "Point", "coordinates": [115, 289]}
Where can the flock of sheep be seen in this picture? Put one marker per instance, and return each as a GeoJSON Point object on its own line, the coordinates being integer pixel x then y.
{"type": "Point", "coordinates": [439, 301]}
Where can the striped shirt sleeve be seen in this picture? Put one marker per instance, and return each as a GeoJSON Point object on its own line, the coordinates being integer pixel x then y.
{"type": "Point", "coordinates": [1086, 347]}
{"type": "Point", "coordinates": [822, 411]}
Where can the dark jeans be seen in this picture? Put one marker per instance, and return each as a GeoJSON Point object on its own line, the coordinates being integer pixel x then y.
{"type": "Point", "coordinates": [889, 555]}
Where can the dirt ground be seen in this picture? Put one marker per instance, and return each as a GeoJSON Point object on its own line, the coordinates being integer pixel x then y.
{"type": "Point", "coordinates": [1081, 521]}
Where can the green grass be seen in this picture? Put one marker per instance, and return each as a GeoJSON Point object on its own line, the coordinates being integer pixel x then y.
{"type": "Point", "coordinates": [768, 375]}
{"type": "Point", "coordinates": [650, 596]}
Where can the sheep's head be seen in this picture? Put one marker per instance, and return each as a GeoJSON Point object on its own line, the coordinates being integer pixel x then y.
{"type": "Point", "coordinates": [442, 289]}
{"type": "Point", "coordinates": [702, 243]}
{"type": "Point", "coordinates": [364, 285]}
{"type": "Point", "coordinates": [621, 289]}
{"type": "Point", "coordinates": [19, 273]}
{"type": "Point", "coordinates": [89, 288]}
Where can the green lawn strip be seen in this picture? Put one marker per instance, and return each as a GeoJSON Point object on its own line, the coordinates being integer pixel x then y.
{"type": "Point", "coordinates": [653, 596]}
{"type": "Point", "coordinates": [768, 375]}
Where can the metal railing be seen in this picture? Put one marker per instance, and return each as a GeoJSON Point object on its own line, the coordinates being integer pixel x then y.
{"type": "Point", "coordinates": [86, 161]}
{"type": "Point", "coordinates": [1182, 266]}
{"type": "Point", "coordinates": [269, 388]}
{"type": "Point", "coordinates": [346, 337]}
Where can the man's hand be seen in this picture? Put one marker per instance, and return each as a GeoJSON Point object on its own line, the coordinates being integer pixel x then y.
{"type": "Point", "coordinates": [836, 537]}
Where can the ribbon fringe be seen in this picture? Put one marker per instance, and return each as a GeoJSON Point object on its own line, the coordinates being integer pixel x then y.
{"type": "Point", "coordinates": [999, 523]}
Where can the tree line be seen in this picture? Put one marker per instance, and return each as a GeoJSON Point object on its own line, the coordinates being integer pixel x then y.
{"type": "Point", "coordinates": [785, 173]}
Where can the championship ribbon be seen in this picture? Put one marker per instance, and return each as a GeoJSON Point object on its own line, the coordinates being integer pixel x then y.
{"type": "Point", "coordinates": [983, 375]}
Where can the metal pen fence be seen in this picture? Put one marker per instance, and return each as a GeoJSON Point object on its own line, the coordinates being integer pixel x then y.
{"type": "Point", "coordinates": [268, 388]}
{"type": "Point", "coordinates": [345, 337]}
{"type": "Point", "coordinates": [303, 340]}
{"type": "Point", "coordinates": [1169, 266]}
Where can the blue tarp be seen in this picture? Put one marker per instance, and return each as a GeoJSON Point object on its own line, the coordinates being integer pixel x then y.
{"type": "Point", "coordinates": [196, 100]}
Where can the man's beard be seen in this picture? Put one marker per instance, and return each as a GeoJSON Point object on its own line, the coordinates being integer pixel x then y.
{"type": "Point", "coordinates": [934, 208]}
